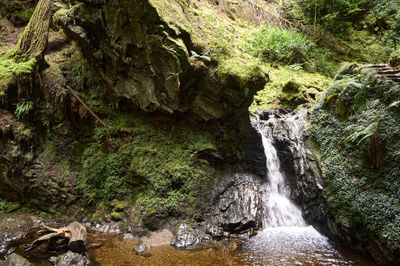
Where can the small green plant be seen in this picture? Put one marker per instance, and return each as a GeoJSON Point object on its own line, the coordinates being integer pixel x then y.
{"type": "Point", "coordinates": [23, 108]}
{"type": "Point", "coordinates": [4, 205]}
{"type": "Point", "coordinates": [364, 134]}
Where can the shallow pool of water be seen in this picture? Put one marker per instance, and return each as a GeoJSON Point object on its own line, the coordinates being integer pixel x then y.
{"type": "Point", "coordinates": [273, 246]}
{"type": "Point", "coordinates": [282, 247]}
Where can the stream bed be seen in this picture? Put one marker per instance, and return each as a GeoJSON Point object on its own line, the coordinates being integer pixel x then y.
{"type": "Point", "coordinates": [272, 246]}
{"type": "Point", "coordinates": [118, 251]}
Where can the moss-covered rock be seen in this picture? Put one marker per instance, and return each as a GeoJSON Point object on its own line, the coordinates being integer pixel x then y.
{"type": "Point", "coordinates": [148, 58]}
{"type": "Point", "coordinates": [356, 128]}
{"type": "Point", "coordinates": [274, 95]}
{"type": "Point", "coordinates": [395, 59]}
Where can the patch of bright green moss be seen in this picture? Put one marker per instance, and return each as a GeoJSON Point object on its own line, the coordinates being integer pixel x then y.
{"type": "Point", "coordinates": [9, 70]}
{"type": "Point", "coordinates": [395, 59]}
{"type": "Point", "coordinates": [269, 97]}
{"type": "Point", "coordinates": [244, 70]}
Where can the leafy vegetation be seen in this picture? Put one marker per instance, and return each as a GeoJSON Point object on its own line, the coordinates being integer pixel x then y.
{"type": "Point", "coordinates": [340, 16]}
{"type": "Point", "coordinates": [149, 166]}
{"type": "Point", "coordinates": [395, 59]}
{"type": "Point", "coordinates": [359, 147]}
{"type": "Point", "coordinates": [275, 44]}
{"type": "Point", "coordinates": [23, 108]}
{"type": "Point", "coordinates": [9, 69]}
{"type": "Point", "coordinates": [4, 205]}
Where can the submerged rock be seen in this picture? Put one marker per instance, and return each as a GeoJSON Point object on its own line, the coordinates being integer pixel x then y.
{"type": "Point", "coordinates": [163, 237]}
{"type": "Point", "coordinates": [186, 236]}
{"type": "Point", "coordinates": [70, 259]}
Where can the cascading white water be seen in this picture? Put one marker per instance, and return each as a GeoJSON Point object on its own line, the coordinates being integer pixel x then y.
{"type": "Point", "coordinates": [281, 211]}
{"type": "Point", "coordinates": [286, 238]}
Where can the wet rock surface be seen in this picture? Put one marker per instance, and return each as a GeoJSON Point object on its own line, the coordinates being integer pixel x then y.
{"type": "Point", "coordinates": [15, 260]}
{"type": "Point", "coordinates": [13, 228]}
{"type": "Point", "coordinates": [237, 210]}
{"type": "Point", "coordinates": [70, 258]}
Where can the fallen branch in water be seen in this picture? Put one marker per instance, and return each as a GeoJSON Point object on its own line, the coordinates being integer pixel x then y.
{"type": "Point", "coordinates": [73, 236]}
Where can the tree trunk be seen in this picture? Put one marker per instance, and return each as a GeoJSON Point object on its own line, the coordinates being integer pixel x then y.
{"type": "Point", "coordinates": [74, 234]}
{"type": "Point", "coordinates": [33, 41]}
{"type": "Point", "coordinates": [78, 240]}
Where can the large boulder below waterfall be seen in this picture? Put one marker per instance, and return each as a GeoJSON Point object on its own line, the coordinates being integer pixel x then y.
{"type": "Point", "coordinates": [235, 207]}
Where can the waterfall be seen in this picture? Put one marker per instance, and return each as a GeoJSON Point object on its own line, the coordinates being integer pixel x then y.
{"type": "Point", "coordinates": [282, 212]}
{"type": "Point", "coordinates": [286, 239]}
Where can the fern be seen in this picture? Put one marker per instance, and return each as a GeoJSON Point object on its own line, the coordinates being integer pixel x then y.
{"type": "Point", "coordinates": [45, 121]}
{"type": "Point", "coordinates": [363, 134]}
{"type": "Point", "coordinates": [23, 108]}
{"type": "Point", "coordinates": [394, 104]}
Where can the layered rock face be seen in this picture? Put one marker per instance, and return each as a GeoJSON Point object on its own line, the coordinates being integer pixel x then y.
{"type": "Point", "coordinates": [153, 64]}
{"type": "Point", "coordinates": [235, 207]}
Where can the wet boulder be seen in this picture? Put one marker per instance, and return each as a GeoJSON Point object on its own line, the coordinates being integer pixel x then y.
{"type": "Point", "coordinates": [70, 259]}
{"type": "Point", "coordinates": [15, 260]}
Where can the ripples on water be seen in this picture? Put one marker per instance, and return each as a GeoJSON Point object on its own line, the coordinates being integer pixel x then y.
{"type": "Point", "coordinates": [292, 246]}
{"type": "Point", "coordinates": [278, 246]}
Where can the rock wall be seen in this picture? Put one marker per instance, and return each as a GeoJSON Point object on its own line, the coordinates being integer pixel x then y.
{"type": "Point", "coordinates": [162, 98]}
{"type": "Point", "coordinates": [153, 65]}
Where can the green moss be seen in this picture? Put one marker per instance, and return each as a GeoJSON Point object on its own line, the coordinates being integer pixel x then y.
{"type": "Point", "coordinates": [362, 194]}
{"type": "Point", "coordinates": [49, 148]}
{"type": "Point", "coordinates": [395, 59]}
{"type": "Point", "coordinates": [117, 216]}
{"type": "Point", "coordinates": [147, 165]}
{"type": "Point", "coordinates": [271, 96]}
{"type": "Point", "coordinates": [120, 205]}
{"type": "Point", "coordinates": [10, 70]}
{"type": "Point", "coordinates": [240, 68]}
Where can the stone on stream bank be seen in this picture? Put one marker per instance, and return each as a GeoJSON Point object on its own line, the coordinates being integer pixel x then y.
{"type": "Point", "coordinates": [13, 227]}
{"type": "Point", "coordinates": [16, 260]}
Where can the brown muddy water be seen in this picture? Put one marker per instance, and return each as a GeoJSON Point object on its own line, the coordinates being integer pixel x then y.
{"type": "Point", "coordinates": [267, 248]}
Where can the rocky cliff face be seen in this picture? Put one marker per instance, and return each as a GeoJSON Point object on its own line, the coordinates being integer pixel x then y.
{"type": "Point", "coordinates": [174, 117]}
{"type": "Point", "coordinates": [153, 64]}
